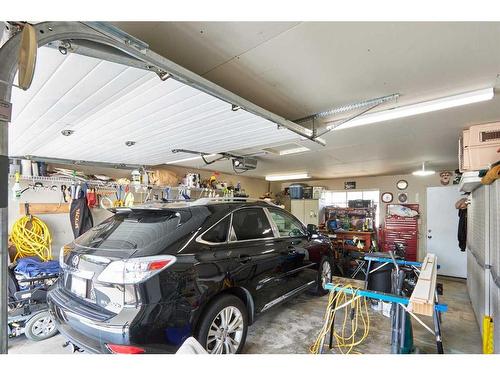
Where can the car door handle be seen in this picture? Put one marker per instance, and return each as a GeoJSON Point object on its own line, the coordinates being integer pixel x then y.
{"type": "Point", "coordinates": [245, 258]}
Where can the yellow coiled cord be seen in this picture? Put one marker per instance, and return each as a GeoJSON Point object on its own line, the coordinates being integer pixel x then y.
{"type": "Point", "coordinates": [31, 236]}
{"type": "Point", "coordinates": [360, 318]}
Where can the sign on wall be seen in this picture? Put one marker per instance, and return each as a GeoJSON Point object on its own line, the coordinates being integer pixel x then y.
{"type": "Point", "coordinates": [349, 185]}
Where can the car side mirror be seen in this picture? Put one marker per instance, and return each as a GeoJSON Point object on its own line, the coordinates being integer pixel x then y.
{"type": "Point", "coordinates": [312, 229]}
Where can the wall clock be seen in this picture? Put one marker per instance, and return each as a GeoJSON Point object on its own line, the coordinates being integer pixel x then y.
{"type": "Point", "coordinates": [387, 197]}
{"type": "Point", "coordinates": [402, 197]}
{"type": "Point", "coordinates": [402, 184]}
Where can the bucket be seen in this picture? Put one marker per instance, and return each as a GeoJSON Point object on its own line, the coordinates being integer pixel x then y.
{"type": "Point", "coordinates": [26, 169]}
{"type": "Point", "coordinates": [296, 191]}
{"type": "Point", "coordinates": [380, 280]}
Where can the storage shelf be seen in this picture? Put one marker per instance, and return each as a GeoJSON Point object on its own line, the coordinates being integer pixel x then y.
{"type": "Point", "coordinates": [469, 182]}
{"type": "Point", "coordinates": [103, 184]}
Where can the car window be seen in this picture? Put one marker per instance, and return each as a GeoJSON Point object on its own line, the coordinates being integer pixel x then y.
{"type": "Point", "coordinates": [218, 233]}
{"type": "Point", "coordinates": [250, 224]}
{"type": "Point", "coordinates": [286, 224]}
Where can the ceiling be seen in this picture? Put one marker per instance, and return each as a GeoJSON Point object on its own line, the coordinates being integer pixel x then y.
{"type": "Point", "coordinates": [107, 104]}
{"type": "Point", "coordinates": [294, 69]}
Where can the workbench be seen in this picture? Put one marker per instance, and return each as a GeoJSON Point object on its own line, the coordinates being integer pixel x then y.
{"type": "Point", "coordinates": [342, 236]}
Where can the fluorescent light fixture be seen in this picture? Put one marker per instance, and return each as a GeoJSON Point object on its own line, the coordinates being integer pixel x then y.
{"type": "Point", "coordinates": [423, 172]}
{"type": "Point", "coordinates": [189, 159]}
{"type": "Point", "coordinates": [419, 108]}
{"type": "Point", "coordinates": [294, 150]}
{"type": "Point", "coordinates": [291, 176]}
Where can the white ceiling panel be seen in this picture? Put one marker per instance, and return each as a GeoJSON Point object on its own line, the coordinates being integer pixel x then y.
{"type": "Point", "coordinates": [298, 70]}
{"type": "Point", "coordinates": [107, 104]}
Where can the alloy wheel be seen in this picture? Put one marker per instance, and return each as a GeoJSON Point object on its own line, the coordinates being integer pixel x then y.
{"type": "Point", "coordinates": [226, 331]}
{"type": "Point", "coordinates": [326, 273]}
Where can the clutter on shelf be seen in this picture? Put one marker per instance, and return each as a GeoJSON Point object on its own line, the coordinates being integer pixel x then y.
{"type": "Point", "coordinates": [350, 218]}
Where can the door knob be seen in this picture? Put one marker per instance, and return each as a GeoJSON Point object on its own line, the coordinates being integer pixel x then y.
{"type": "Point", "coordinates": [429, 236]}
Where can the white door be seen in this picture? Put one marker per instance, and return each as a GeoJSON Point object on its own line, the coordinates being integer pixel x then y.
{"type": "Point", "coordinates": [442, 228]}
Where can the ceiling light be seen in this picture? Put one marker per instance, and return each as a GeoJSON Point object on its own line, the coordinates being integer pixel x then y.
{"type": "Point", "coordinates": [294, 150]}
{"type": "Point", "coordinates": [189, 159]}
{"type": "Point", "coordinates": [291, 176]}
{"type": "Point", "coordinates": [67, 132]}
{"type": "Point", "coordinates": [419, 108]}
{"type": "Point", "coordinates": [130, 143]}
{"type": "Point", "coordinates": [423, 172]}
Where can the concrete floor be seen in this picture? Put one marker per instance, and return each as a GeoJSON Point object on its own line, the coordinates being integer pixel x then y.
{"type": "Point", "coordinates": [292, 327]}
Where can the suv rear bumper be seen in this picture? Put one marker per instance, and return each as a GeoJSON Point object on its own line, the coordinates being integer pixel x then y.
{"type": "Point", "coordinates": [89, 334]}
{"type": "Point", "coordinates": [92, 330]}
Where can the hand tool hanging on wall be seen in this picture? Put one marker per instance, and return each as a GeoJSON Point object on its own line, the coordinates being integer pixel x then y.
{"type": "Point", "coordinates": [119, 197]}
{"type": "Point", "coordinates": [92, 200]}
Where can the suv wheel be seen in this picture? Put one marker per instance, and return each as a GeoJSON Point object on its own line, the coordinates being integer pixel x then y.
{"type": "Point", "coordinates": [324, 276]}
{"type": "Point", "coordinates": [223, 327]}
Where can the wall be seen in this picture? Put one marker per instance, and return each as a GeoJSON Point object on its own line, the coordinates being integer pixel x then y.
{"type": "Point", "coordinates": [417, 193]}
{"type": "Point", "coordinates": [254, 187]}
{"type": "Point", "coordinates": [59, 224]}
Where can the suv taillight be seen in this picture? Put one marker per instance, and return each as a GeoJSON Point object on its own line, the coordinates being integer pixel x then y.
{"type": "Point", "coordinates": [124, 349]}
{"type": "Point", "coordinates": [135, 270]}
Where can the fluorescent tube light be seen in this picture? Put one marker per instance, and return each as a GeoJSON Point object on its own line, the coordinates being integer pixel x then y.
{"type": "Point", "coordinates": [423, 172]}
{"type": "Point", "coordinates": [189, 159]}
{"type": "Point", "coordinates": [291, 176]}
{"type": "Point", "coordinates": [419, 108]}
{"type": "Point", "coordinates": [294, 150]}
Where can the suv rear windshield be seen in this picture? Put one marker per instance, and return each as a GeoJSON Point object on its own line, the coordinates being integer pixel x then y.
{"type": "Point", "coordinates": [149, 231]}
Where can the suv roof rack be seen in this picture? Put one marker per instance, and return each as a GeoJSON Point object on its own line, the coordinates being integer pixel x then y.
{"type": "Point", "coordinates": [201, 201]}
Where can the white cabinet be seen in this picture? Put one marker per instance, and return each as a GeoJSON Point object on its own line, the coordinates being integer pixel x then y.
{"type": "Point", "coordinates": [308, 211]}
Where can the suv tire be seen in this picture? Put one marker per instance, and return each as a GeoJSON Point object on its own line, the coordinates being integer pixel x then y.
{"type": "Point", "coordinates": [223, 326]}
{"type": "Point", "coordinates": [325, 273]}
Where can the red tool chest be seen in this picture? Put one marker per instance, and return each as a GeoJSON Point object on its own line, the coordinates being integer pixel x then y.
{"type": "Point", "coordinates": [404, 230]}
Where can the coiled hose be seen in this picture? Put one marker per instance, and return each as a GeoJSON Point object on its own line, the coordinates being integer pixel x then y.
{"type": "Point", "coordinates": [356, 310]}
{"type": "Point", "coordinates": [31, 236]}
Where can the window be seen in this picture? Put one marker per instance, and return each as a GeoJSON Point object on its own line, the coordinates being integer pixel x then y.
{"type": "Point", "coordinates": [287, 226]}
{"type": "Point", "coordinates": [250, 224]}
{"type": "Point", "coordinates": [147, 231]}
{"type": "Point", "coordinates": [218, 233]}
{"type": "Point", "coordinates": [341, 198]}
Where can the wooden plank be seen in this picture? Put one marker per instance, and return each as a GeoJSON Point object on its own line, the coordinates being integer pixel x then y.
{"type": "Point", "coordinates": [45, 208]}
{"type": "Point", "coordinates": [423, 296]}
{"type": "Point", "coordinates": [336, 280]}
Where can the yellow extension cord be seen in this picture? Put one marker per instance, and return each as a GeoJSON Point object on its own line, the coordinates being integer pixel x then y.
{"type": "Point", "coordinates": [345, 342]}
{"type": "Point", "coordinates": [31, 237]}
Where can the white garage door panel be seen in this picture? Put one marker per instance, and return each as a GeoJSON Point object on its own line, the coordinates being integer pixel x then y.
{"type": "Point", "coordinates": [107, 104]}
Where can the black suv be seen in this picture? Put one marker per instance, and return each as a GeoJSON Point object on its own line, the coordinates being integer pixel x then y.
{"type": "Point", "coordinates": [147, 278]}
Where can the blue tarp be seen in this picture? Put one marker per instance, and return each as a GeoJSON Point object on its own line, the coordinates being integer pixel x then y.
{"type": "Point", "coordinates": [31, 267]}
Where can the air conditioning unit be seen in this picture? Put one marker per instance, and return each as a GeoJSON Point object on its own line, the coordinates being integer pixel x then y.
{"type": "Point", "coordinates": [479, 147]}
